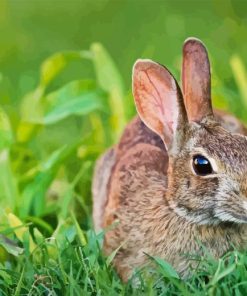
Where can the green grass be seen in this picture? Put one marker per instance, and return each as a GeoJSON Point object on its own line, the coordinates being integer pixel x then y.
{"type": "Point", "coordinates": [48, 147]}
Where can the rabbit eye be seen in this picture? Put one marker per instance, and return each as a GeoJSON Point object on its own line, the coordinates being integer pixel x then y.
{"type": "Point", "coordinates": [201, 165]}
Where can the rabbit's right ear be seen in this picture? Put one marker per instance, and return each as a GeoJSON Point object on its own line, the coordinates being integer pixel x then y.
{"type": "Point", "coordinates": [159, 101]}
{"type": "Point", "coordinates": [196, 80]}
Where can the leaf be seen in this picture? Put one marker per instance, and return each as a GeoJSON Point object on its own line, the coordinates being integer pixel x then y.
{"type": "Point", "coordinates": [26, 130]}
{"type": "Point", "coordinates": [9, 192]}
{"type": "Point", "coordinates": [80, 233]}
{"type": "Point", "coordinates": [31, 110]}
{"type": "Point", "coordinates": [10, 246]}
{"type": "Point", "coordinates": [64, 233]}
{"type": "Point", "coordinates": [107, 73]}
{"type": "Point", "coordinates": [80, 106]}
{"type": "Point", "coordinates": [66, 197]}
{"type": "Point", "coordinates": [8, 183]}
{"type": "Point", "coordinates": [53, 65]}
{"type": "Point", "coordinates": [41, 223]}
{"type": "Point", "coordinates": [110, 80]}
{"type": "Point", "coordinates": [39, 238]}
{"type": "Point", "coordinates": [240, 76]}
{"type": "Point", "coordinates": [166, 269]}
{"type": "Point", "coordinates": [113, 254]}
{"type": "Point", "coordinates": [219, 274]}
{"type": "Point", "coordinates": [6, 135]}
{"type": "Point", "coordinates": [21, 231]}
{"type": "Point", "coordinates": [7, 278]}
{"type": "Point", "coordinates": [75, 98]}
{"type": "Point", "coordinates": [19, 228]}
{"type": "Point", "coordinates": [33, 195]}
{"type": "Point", "coordinates": [32, 105]}
{"type": "Point", "coordinates": [18, 288]}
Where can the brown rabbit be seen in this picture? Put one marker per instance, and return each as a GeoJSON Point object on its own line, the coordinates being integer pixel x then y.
{"type": "Point", "coordinates": [177, 176]}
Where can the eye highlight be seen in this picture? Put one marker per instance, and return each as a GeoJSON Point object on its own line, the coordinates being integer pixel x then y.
{"type": "Point", "coordinates": [201, 165]}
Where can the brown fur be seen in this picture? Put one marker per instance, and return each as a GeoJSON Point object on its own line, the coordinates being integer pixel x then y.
{"type": "Point", "coordinates": [102, 173]}
{"type": "Point", "coordinates": [139, 199]}
{"type": "Point", "coordinates": [162, 207]}
{"type": "Point", "coordinates": [196, 81]}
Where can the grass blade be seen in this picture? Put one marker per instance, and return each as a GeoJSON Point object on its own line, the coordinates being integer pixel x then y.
{"type": "Point", "coordinates": [111, 81]}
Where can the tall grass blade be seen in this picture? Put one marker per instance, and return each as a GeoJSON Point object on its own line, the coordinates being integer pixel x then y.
{"type": "Point", "coordinates": [240, 75]}
{"type": "Point", "coordinates": [111, 81]}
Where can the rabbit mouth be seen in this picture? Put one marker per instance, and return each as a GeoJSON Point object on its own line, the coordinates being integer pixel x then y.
{"type": "Point", "coordinates": [241, 218]}
{"type": "Point", "coordinates": [231, 217]}
{"type": "Point", "coordinates": [200, 217]}
{"type": "Point", "coordinates": [210, 217]}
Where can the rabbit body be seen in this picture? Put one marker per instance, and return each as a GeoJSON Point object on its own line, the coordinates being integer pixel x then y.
{"type": "Point", "coordinates": [148, 187]}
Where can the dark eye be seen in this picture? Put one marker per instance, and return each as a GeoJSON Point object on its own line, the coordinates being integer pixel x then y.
{"type": "Point", "coordinates": [201, 165]}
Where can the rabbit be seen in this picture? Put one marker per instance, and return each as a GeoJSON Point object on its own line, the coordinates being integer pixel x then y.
{"type": "Point", "coordinates": [178, 175]}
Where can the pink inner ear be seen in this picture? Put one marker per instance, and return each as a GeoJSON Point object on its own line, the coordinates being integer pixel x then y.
{"type": "Point", "coordinates": [155, 93]}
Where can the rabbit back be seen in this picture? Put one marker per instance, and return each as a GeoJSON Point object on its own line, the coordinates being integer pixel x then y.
{"type": "Point", "coordinates": [136, 192]}
{"type": "Point", "coordinates": [136, 132]}
{"type": "Point", "coordinates": [102, 174]}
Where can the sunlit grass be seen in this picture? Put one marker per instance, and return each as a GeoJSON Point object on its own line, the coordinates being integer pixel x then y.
{"type": "Point", "coordinates": [47, 155]}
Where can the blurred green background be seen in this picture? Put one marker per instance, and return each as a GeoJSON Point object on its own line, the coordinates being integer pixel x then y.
{"type": "Point", "coordinates": [34, 29]}
{"type": "Point", "coordinates": [65, 85]}
{"type": "Point", "coordinates": [65, 96]}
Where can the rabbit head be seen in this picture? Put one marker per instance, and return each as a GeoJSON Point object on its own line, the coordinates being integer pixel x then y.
{"type": "Point", "coordinates": [207, 172]}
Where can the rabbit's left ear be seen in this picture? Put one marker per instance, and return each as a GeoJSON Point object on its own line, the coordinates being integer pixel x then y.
{"type": "Point", "coordinates": [196, 80]}
{"type": "Point", "coordinates": [159, 102]}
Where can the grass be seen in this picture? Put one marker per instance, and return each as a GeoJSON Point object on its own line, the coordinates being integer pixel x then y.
{"type": "Point", "coordinates": [48, 147]}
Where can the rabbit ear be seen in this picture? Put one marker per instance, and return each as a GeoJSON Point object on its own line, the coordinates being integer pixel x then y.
{"type": "Point", "coordinates": [159, 100]}
{"type": "Point", "coordinates": [196, 80]}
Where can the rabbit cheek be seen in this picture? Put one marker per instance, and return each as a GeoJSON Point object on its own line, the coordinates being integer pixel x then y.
{"type": "Point", "coordinates": [196, 199]}
{"type": "Point", "coordinates": [231, 204]}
